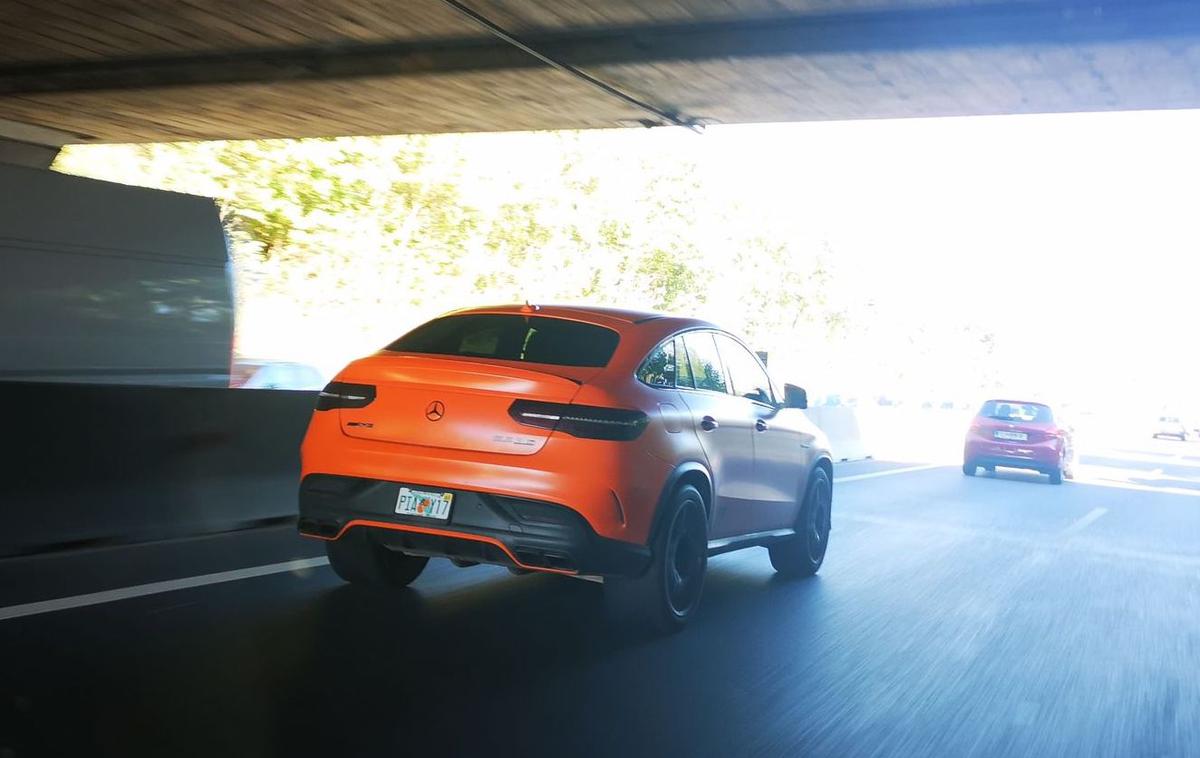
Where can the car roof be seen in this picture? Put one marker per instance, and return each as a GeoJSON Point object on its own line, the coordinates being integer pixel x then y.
{"type": "Point", "coordinates": [1017, 402]}
{"type": "Point", "coordinates": [617, 318]}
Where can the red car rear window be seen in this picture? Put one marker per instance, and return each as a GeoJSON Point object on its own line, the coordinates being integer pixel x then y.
{"type": "Point", "coordinates": [1015, 411]}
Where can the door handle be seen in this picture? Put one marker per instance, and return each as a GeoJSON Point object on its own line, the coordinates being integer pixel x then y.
{"type": "Point", "coordinates": [708, 423]}
{"type": "Point", "coordinates": [760, 425]}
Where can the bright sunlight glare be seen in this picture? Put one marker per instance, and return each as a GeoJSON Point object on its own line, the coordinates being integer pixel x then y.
{"type": "Point", "coordinates": [1069, 239]}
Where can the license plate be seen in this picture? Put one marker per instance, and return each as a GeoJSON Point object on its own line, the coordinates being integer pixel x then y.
{"type": "Point", "coordinates": [425, 504]}
{"type": "Point", "coordinates": [1018, 436]}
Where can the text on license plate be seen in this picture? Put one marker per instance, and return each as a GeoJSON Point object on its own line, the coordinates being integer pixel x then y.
{"type": "Point", "coordinates": [421, 503]}
{"type": "Point", "coordinates": [1021, 436]}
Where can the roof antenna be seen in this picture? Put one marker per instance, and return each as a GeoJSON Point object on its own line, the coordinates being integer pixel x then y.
{"type": "Point", "coordinates": [527, 308]}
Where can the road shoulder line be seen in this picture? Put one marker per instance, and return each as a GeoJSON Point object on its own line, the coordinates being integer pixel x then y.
{"type": "Point", "coordinates": [155, 588]}
{"type": "Point", "coordinates": [889, 472]}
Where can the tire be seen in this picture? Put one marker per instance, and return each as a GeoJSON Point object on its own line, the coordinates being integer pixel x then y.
{"type": "Point", "coordinates": [359, 560]}
{"type": "Point", "coordinates": [990, 469]}
{"type": "Point", "coordinates": [803, 554]}
{"type": "Point", "coordinates": [665, 597]}
{"type": "Point", "coordinates": [1063, 471]}
{"type": "Point", "coordinates": [969, 468]}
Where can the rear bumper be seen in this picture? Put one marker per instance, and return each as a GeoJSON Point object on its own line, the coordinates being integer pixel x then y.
{"type": "Point", "coordinates": [1179, 434]}
{"type": "Point", "coordinates": [1040, 456]}
{"type": "Point", "coordinates": [1021, 463]}
{"type": "Point", "coordinates": [482, 527]}
{"type": "Point", "coordinates": [615, 486]}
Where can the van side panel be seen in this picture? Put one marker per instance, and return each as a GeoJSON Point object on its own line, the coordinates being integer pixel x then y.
{"type": "Point", "coordinates": [106, 283]}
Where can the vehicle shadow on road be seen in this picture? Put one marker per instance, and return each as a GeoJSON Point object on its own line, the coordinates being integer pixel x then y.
{"type": "Point", "coordinates": [441, 668]}
{"type": "Point", "coordinates": [416, 662]}
{"type": "Point", "coordinates": [1014, 475]}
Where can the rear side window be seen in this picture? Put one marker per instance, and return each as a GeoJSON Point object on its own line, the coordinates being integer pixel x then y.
{"type": "Point", "coordinates": [707, 370]}
{"type": "Point", "coordinates": [1008, 410]}
{"type": "Point", "coordinates": [658, 370]}
{"type": "Point", "coordinates": [667, 366]}
{"type": "Point", "coordinates": [513, 337]}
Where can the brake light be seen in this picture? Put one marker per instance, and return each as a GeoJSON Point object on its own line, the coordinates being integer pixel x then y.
{"type": "Point", "coordinates": [587, 421]}
{"type": "Point", "coordinates": [345, 395]}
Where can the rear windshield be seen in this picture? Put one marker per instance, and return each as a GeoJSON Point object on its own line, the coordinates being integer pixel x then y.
{"type": "Point", "coordinates": [513, 337]}
{"type": "Point", "coordinates": [1007, 410]}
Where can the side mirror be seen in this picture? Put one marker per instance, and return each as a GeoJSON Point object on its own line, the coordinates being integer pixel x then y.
{"type": "Point", "coordinates": [794, 397]}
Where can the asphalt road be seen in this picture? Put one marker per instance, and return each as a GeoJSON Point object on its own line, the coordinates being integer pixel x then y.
{"type": "Point", "coordinates": [954, 616]}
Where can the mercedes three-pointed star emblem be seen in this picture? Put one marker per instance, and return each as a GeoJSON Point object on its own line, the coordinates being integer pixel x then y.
{"type": "Point", "coordinates": [435, 410]}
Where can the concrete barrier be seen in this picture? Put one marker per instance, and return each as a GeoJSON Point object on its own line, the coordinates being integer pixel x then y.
{"type": "Point", "coordinates": [841, 425]}
{"type": "Point", "coordinates": [87, 464]}
{"type": "Point", "coordinates": [91, 464]}
{"type": "Point", "coordinates": [914, 434]}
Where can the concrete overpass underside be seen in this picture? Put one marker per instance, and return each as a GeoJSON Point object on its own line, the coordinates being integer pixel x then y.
{"type": "Point", "coordinates": [162, 70]}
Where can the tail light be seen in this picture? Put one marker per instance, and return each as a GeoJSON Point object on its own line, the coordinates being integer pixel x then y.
{"type": "Point", "coordinates": [588, 421]}
{"type": "Point", "coordinates": [345, 395]}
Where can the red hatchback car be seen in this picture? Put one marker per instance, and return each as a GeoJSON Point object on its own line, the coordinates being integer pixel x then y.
{"type": "Point", "coordinates": [1019, 434]}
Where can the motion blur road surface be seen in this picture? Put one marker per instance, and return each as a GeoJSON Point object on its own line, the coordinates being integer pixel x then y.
{"type": "Point", "coordinates": [954, 616]}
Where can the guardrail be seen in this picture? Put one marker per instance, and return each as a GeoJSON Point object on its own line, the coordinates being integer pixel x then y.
{"type": "Point", "coordinates": [91, 464]}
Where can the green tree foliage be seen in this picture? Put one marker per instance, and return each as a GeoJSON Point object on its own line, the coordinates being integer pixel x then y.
{"type": "Point", "coordinates": [373, 235]}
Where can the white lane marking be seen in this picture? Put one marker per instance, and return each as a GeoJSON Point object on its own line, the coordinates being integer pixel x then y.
{"type": "Point", "coordinates": [889, 472]}
{"type": "Point", "coordinates": [1082, 544]}
{"type": "Point", "coordinates": [1101, 482]}
{"type": "Point", "coordinates": [154, 588]}
{"type": "Point", "coordinates": [1082, 523]}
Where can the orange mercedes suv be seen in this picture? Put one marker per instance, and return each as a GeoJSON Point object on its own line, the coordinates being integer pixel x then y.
{"type": "Point", "coordinates": [582, 441]}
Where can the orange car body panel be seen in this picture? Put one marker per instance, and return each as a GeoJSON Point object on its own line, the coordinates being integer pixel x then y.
{"type": "Point", "coordinates": [613, 488]}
